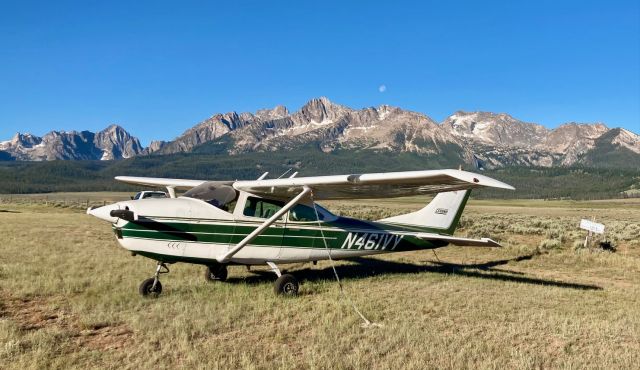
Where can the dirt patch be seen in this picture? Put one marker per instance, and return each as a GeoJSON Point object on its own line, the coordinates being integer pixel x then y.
{"type": "Point", "coordinates": [105, 337]}
{"type": "Point", "coordinates": [32, 313]}
{"type": "Point", "coordinates": [37, 313]}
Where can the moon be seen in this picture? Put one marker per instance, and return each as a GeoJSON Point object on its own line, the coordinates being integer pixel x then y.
{"type": "Point", "coordinates": [382, 88]}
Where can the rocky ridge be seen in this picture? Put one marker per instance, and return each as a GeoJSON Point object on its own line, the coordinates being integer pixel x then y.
{"type": "Point", "coordinates": [496, 139]}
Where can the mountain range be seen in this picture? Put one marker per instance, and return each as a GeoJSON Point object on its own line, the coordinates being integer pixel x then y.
{"type": "Point", "coordinates": [491, 140]}
{"type": "Point", "coordinates": [114, 142]}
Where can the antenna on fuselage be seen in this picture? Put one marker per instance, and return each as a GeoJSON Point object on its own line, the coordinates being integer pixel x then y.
{"type": "Point", "coordinates": [263, 176]}
{"type": "Point", "coordinates": [285, 172]}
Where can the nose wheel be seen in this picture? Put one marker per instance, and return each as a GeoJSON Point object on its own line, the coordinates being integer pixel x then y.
{"type": "Point", "coordinates": [152, 287]}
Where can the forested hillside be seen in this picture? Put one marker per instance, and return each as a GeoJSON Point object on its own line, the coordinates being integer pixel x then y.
{"type": "Point", "coordinates": [55, 176]}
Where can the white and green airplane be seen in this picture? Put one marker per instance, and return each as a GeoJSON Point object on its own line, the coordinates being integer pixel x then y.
{"type": "Point", "coordinates": [276, 221]}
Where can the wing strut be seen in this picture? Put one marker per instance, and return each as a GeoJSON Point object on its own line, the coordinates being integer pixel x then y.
{"type": "Point", "coordinates": [172, 191]}
{"type": "Point", "coordinates": [225, 257]}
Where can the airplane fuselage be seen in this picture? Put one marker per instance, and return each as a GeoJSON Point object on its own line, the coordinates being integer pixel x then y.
{"type": "Point", "coordinates": [202, 240]}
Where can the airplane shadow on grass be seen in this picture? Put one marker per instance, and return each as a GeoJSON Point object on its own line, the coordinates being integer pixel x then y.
{"type": "Point", "coordinates": [370, 267]}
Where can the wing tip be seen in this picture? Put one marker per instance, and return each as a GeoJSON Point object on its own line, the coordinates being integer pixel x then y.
{"type": "Point", "coordinates": [481, 180]}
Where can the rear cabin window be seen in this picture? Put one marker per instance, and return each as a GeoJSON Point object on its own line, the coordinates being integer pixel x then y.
{"type": "Point", "coordinates": [261, 208]}
{"type": "Point", "coordinates": [155, 195]}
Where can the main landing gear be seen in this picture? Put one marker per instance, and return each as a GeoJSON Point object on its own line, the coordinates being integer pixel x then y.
{"type": "Point", "coordinates": [216, 272]}
{"type": "Point", "coordinates": [152, 287]}
{"type": "Point", "coordinates": [286, 284]}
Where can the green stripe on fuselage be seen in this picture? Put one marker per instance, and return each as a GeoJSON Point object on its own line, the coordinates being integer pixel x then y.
{"type": "Point", "coordinates": [342, 233]}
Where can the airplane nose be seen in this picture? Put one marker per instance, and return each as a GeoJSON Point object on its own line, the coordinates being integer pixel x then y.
{"type": "Point", "coordinates": [104, 212]}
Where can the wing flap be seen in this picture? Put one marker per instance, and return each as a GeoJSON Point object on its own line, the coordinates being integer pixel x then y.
{"type": "Point", "coordinates": [466, 242]}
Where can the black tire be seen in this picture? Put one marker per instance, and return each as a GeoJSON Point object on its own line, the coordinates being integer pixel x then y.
{"type": "Point", "coordinates": [148, 290]}
{"type": "Point", "coordinates": [216, 273]}
{"type": "Point", "coordinates": [286, 285]}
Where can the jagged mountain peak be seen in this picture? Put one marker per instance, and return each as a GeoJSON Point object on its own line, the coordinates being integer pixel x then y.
{"type": "Point", "coordinates": [208, 130]}
{"type": "Point", "coordinates": [385, 111]}
{"type": "Point", "coordinates": [115, 143]}
{"type": "Point", "coordinates": [114, 127]}
{"type": "Point", "coordinates": [25, 140]}
{"type": "Point", "coordinates": [627, 133]}
{"type": "Point", "coordinates": [22, 136]}
{"type": "Point", "coordinates": [115, 133]}
{"type": "Point", "coordinates": [575, 129]}
{"type": "Point", "coordinates": [494, 129]}
{"type": "Point", "coordinates": [320, 110]}
{"type": "Point", "coordinates": [279, 111]}
{"type": "Point", "coordinates": [461, 118]}
{"type": "Point", "coordinates": [622, 137]}
{"type": "Point", "coordinates": [322, 100]}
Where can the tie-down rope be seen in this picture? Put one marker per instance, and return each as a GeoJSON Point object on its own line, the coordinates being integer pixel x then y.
{"type": "Point", "coordinates": [366, 322]}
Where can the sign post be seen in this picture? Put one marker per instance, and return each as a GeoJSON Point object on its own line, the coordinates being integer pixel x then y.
{"type": "Point", "coordinates": [591, 227]}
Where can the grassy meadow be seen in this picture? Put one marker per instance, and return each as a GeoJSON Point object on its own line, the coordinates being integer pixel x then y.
{"type": "Point", "coordinates": [68, 296]}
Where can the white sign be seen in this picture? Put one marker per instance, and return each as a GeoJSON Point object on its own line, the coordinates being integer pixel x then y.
{"type": "Point", "coordinates": [592, 226]}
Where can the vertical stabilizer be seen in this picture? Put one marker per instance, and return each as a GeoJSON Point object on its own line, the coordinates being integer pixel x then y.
{"type": "Point", "coordinates": [442, 213]}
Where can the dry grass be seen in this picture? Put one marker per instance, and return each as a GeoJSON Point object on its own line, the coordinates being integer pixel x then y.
{"type": "Point", "coordinates": [68, 299]}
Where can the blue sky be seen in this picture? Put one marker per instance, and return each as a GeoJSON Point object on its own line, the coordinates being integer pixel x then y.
{"type": "Point", "coordinates": [159, 67]}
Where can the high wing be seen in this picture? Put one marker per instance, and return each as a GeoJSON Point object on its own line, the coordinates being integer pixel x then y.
{"type": "Point", "coordinates": [173, 184]}
{"type": "Point", "coordinates": [483, 242]}
{"type": "Point", "coordinates": [160, 182]}
{"type": "Point", "coordinates": [371, 185]}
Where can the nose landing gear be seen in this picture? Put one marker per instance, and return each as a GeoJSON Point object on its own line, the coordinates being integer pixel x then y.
{"type": "Point", "coordinates": [152, 286]}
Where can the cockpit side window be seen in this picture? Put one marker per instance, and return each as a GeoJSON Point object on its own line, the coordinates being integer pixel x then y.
{"type": "Point", "coordinates": [304, 213]}
{"type": "Point", "coordinates": [261, 208]}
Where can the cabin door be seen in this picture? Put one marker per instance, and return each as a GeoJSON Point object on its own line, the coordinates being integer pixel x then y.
{"type": "Point", "coordinates": [255, 212]}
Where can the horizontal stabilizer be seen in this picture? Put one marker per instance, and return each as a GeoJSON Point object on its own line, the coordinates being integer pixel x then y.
{"type": "Point", "coordinates": [466, 242]}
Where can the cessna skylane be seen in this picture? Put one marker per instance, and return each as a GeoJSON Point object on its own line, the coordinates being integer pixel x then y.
{"type": "Point", "coordinates": [277, 221]}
